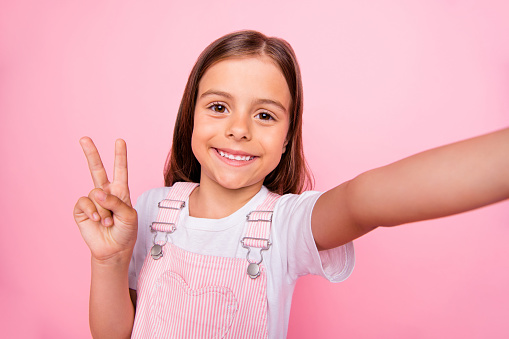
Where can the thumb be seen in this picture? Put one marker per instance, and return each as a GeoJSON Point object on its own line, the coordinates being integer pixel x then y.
{"type": "Point", "coordinates": [120, 209]}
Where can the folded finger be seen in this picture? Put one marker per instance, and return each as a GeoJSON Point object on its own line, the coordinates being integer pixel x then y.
{"type": "Point", "coordinates": [95, 164]}
{"type": "Point", "coordinates": [119, 208]}
{"type": "Point", "coordinates": [87, 207]}
{"type": "Point", "coordinates": [97, 196]}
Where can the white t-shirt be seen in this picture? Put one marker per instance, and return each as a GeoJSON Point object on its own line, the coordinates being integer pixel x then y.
{"type": "Point", "coordinates": [293, 252]}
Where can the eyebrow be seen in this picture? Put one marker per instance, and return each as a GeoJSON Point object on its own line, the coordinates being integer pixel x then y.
{"type": "Point", "coordinates": [257, 101]}
{"type": "Point", "coordinates": [271, 102]}
{"type": "Point", "coordinates": [214, 92]}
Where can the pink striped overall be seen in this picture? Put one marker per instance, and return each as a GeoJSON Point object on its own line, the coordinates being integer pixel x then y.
{"type": "Point", "coordinates": [188, 295]}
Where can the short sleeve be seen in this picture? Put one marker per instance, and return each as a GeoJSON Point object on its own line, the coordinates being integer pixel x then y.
{"type": "Point", "coordinates": [139, 251]}
{"type": "Point", "coordinates": [146, 207]}
{"type": "Point", "coordinates": [292, 215]}
{"type": "Point", "coordinates": [146, 214]}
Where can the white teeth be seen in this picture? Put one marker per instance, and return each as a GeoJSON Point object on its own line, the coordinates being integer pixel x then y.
{"type": "Point", "coordinates": [235, 157]}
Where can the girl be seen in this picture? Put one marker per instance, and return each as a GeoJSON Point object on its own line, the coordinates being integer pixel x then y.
{"type": "Point", "coordinates": [189, 261]}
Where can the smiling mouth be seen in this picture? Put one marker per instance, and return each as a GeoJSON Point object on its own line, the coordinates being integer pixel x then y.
{"type": "Point", "coordinates": [236, 157]}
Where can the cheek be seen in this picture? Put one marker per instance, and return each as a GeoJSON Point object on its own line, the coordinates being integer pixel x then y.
{"type": "Point", "coordinates": [278, 144]}
{"type": "Point", "coordinates": [202, 133]}
{"type": "Point", "coordinates": [195, 145]}
{"type": "Point", "coordinates": [195, 142]}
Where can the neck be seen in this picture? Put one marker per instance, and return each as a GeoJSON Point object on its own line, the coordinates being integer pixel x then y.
{"type": "Point", "coordinates": [213, 201]}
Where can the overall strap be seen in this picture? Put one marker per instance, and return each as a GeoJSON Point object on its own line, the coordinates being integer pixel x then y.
{"type": "Point", "coordinates": [258, 232]}
{"type": "Point", "coordinates": [170, 207]}
{"type": "Point", "coordinates": [168, 215]}
{"type": "Point", "coordinates": [259, 222]}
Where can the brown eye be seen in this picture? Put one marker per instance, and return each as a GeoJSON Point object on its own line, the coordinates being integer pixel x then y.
{"type": "Point", "coordinates": [265, 116]}
{"type": "Point", "coordinates": [218, 108]}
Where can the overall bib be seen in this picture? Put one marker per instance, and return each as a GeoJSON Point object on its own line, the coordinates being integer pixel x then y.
{"type": "Point", "coordinates": [187, 295]}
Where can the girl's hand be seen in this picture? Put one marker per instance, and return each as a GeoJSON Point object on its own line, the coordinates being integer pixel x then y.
{"type": "Point", "coordinates": [107, 221]}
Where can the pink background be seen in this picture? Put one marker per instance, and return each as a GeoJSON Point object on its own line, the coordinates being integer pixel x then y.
{"type": "Point", "coordinates": [383, 80]}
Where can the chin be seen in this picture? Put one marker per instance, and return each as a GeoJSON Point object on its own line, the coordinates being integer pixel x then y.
{"type": "Point", "coordinates": [233, 184]}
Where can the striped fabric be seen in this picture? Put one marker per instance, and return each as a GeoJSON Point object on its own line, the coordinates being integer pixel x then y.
{"type": "Point", "coordinates": [259, 222]}
{"type": "Point", "coordinates": [169, 208]}
{"type": "Point", "coordinates": [188, 295]}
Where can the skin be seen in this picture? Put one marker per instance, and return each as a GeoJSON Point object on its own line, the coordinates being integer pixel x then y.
{"type": "Point", "coordinates": [235, 99]}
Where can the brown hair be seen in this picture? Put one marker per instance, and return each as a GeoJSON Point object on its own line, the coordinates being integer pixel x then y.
{"type": "Point", "coordinates": [292, 174]}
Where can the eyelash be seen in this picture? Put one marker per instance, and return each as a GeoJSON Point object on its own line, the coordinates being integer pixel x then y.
{"type": "Point", "coordinates": [215, 105]}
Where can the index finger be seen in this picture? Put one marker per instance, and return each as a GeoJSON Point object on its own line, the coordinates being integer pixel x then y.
{"type": "Point", "coordinates": [95, 164]}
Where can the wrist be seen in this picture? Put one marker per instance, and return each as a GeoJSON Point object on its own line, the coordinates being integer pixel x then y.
{"type": "Point", "coordinates": [120, 259]}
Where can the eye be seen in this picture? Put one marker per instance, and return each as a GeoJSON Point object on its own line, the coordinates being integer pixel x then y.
{"type": "Point", "coordinates": [265, 116]}
{"type": "Point", "coordinates": [218, 108]}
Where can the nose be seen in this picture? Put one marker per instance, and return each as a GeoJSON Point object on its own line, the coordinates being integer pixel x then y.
{"type": "Point", "coordinates": [239, 127]}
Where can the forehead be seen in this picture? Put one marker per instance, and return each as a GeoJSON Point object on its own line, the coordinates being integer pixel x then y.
{"type": "Point", "coordinates": [247, 77]}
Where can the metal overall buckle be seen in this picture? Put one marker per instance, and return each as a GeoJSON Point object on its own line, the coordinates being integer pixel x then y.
{"type": "Point", "coordinates": [157, 249]}
{"type": "Point", "coordinates": [182, 204]}
{"type": "Point", "coordinates": [253, 269]}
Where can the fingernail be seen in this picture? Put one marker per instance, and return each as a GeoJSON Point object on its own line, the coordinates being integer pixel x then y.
{"type": "Point", "coordinates": [108, 221]}
{"type": "Point", "coordinates": [96, 216]}
{"type": "Point", "coordinates": [100, 195]}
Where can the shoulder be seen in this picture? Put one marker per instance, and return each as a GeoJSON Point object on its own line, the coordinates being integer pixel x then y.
{"type": "Point", "coordinates": [292, 214]}
{"type": "Point", "coordinates": [297, 203]}
{"type": "Point", "coordinates": [151, 196]}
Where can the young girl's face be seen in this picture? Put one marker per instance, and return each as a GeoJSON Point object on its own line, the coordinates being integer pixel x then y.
{"type": "Point", "coordinates": [241, 121]}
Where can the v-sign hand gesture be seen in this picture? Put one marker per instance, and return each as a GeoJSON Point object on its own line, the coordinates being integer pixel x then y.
{"type": "Point", "coordinates": [107, 221]}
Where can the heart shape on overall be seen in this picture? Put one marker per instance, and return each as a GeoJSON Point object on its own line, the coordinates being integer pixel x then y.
{"type": "Point", "coordinates": [179, 311]}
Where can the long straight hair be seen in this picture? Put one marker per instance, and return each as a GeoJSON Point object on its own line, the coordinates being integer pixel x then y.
{"type": "Point", "coordinates": [292, 174]}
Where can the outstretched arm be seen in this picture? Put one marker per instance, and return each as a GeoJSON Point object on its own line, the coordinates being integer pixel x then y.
{"type": "Point", "coordinates": [447, 180]}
